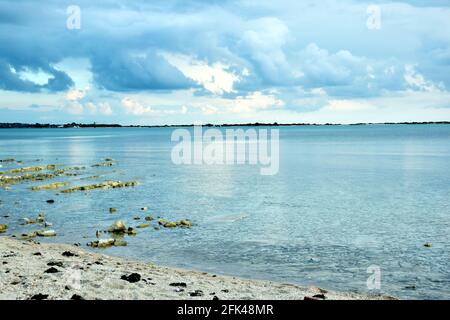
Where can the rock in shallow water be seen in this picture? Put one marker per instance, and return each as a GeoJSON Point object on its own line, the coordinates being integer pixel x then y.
{"type": "Point", "coordinates": [3, 228]}
{"type": "Point", "coordinates": [117, 227]}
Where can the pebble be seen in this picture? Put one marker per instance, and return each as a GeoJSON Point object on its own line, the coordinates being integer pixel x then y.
{"type": "Point", "coordinates": [196, 293]}
{"type": "Point", "coordinates": [132, 278]}
{"type": "Point", "coordinates": [69, 254]}
{"type": "Point", "coordinates": [51, 270]}
{"type": "Point", "coordinates": [39, 296]}
{"type": "Point", "coordinates": [178, 284]}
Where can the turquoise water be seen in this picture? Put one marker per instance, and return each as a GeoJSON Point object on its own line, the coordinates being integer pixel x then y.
{"type": "Point", "coordinates": [345, 198]}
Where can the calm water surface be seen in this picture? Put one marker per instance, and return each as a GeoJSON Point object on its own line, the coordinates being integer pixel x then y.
{"type": "Point", "coordinates": [345, 198]}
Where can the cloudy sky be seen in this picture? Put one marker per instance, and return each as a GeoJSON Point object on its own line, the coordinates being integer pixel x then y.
{"type": "Point", "coordinates": [173, 62]}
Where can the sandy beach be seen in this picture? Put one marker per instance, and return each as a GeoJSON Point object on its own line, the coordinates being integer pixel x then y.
{"type": "Point", "coordinates": [29, 270]}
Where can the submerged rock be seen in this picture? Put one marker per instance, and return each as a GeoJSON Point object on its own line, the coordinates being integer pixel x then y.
{"type": "Point", "coordinates": [103, 185]}
{"type": "Point", "coordinates": [103, 164]}
{"type": "Point", "coordinates": [131, 231]}
{"type": "Point", "coordinates": [170, 225]}
{"type": "Point", "coordinates": [117, 227]}
{"type": "Point", "coordinates": [46, 233]}
{"type": "Point", "coordinates": [149, 218]}
{"type": "Point", "coordinates": [50, 186]}
{"type": "Point", "coordinates": [185, 223]}
{"type": "Point", "coordinates": [27, 236]}
{"type": "Point", "coordinates": [102, 243]}
{"type": "Point", "coordinates": [3, 228]}
{"type": "Point", "coordinates": [428, 245]}
{"type": "Point", "coordinates": [112, 210]}
{"type": "Point", "coordinates": [120, 243]}
{"type": "Point", "coordinates": [106, 243]}
{"type": "Point", "coordinates": [144, 225]}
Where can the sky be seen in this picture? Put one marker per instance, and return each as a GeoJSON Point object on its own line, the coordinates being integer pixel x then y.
{"type": "Point", "coordinates": [183, 62]}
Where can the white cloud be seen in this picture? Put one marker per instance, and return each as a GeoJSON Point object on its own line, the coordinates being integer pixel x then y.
{"type": "Point", "coordinates": [255, 101]}
{"type": "Point", "coordinates": [348, 105]}
{"type": "Point", "coordinates": [215, 78]}
{"type": "Point", "coordinates": [75, 108]}
{"type": "Point", "coordinates": [76, 94]}
{"type": "Point", "coordinates": [417, 81]}
{"type": "Point", "coordinates": [135, 108]}
{"type": "Point", "coordinates": [105, 109]}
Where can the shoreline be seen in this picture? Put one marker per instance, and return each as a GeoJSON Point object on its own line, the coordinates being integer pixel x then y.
{"type": "Point", "coordinates": [30, 270]}
{"type": "Point", "coordinates": [13, 125]}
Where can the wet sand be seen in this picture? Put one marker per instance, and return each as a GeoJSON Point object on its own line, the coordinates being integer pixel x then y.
{"type": "Point", "coordinates": [29, 270]}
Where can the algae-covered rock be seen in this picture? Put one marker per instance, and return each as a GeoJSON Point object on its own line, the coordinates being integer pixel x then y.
{"type": "Point", "coordinates": [50, 186]}
{"type": "Point", "coordinates": [46, 233]}
{"type": "Point", "coordinates": [103, 185]}
{"type": "Point", "coordinates": [3, 228]}
{"type": "Point", "coordinates": [144, 225]}
{"type": "Point", "coordinates": [40, 218]}
{"type": "Point", "coordinates": [120, 243]}
{"type": "Point", "coordinates": [185, 223]}
{"type": "Point", "coordinates": [27, 236]}
{"type": "Point", "coordinates": [162, 222]}
{"type": "Point", "coordinates": [103, 164]}
{"type": "Point", "coordinates": [131, 231]}
{"type": "Point", "coordinates": [112, 210]}
{"type": "Point", "coordinates": [25, 221]}
{"type": "Point", "coordinates": [170, 225]}
{"type": "Point", "coordinates": [117, 227]}
{"type": "Point", "coordinates": [149, 218]}
{"type": "Point", "coordinates": [102, 243]}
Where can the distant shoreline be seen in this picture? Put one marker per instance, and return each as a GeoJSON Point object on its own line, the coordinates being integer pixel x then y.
{"type": "Point", "coordinates": [18, 125]}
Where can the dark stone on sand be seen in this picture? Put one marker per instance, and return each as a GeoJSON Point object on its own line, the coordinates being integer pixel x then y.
{"type": "Point", "coordinates": [76, 297]}
{"type": "Point", "coordinates": [55, 264]}
{"type": "Point", "coordinates": [132, 278]}
{"type": "Point", "coordinates": [215, 298]}
{"type": "Point", "coordinates": [69, 254]}
{"type": "Point", "coordinates": [311, 298]}
{"type": "Point", "coordinates": [51, 270]}
{"type": "Point", "coordinates": [39, 296]}
{"type": "Point", "coordinates": [51, 201]}
{"type": "Point", "coordinates": [319, 296]}
{"type": "Point", "coordinates": [37, 254]}
{"type": "Point", "coordinates": [178, 284]}
{"type": "Point", "coordinates": [225, 290]}
{"type": "Point", "coordinates": [196, 293]}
